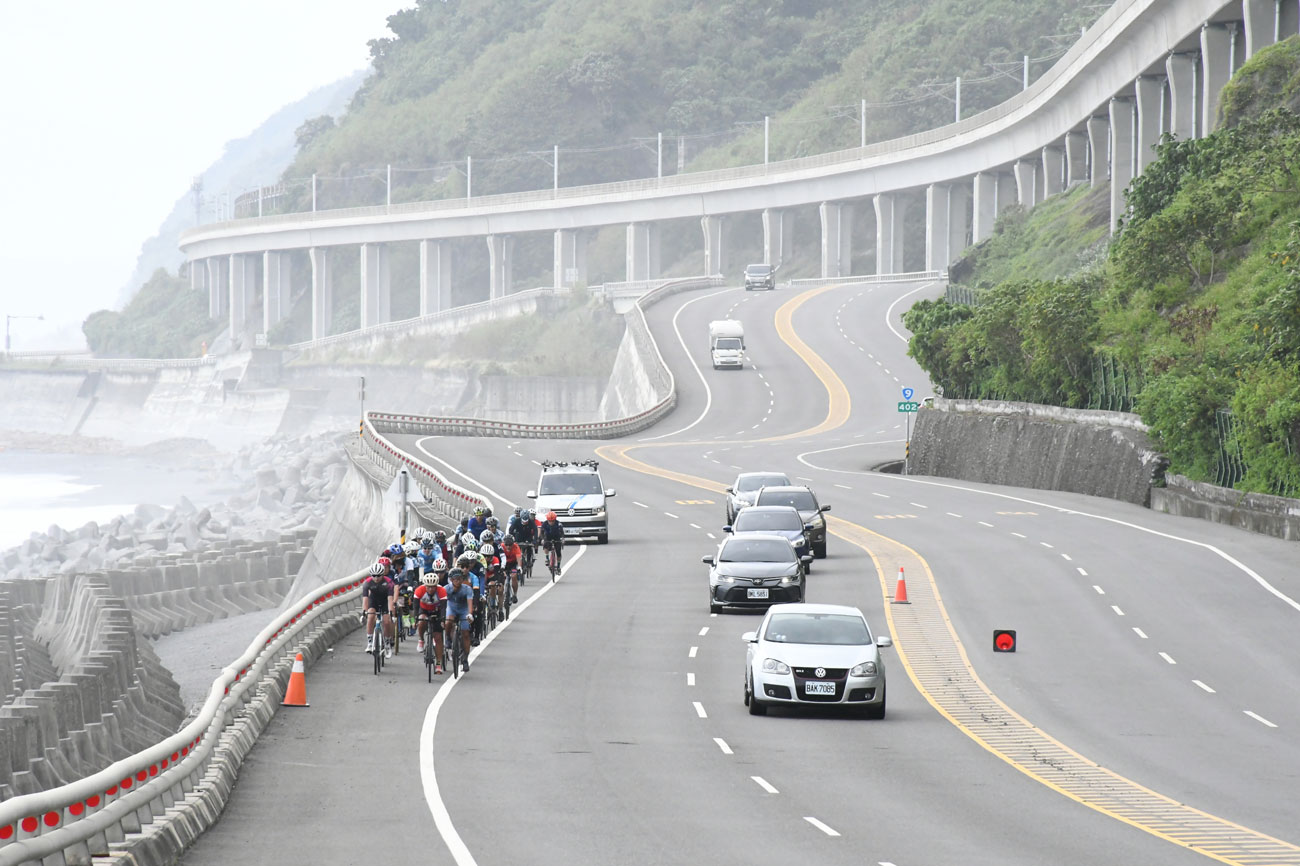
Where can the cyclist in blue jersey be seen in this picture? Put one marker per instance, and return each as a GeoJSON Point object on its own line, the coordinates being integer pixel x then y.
{"type": "Point", "coordinates": [460, 611]}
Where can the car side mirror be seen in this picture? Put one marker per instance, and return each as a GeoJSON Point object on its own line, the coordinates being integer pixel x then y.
{"type": "Point", "coordinates": [531, 494]}
{"type": "Point", "coordinates": [727, 529]}
{"type": "Point", "coordinates": [806, 558]}
{"type": "Point", "coordinates": [707, 559]}
{"type": "Point", "coordinates": [884, 640]}
{"type": "Point", "coordinates": [609, 492]}
{"type": "Point", "coordinates": [751, 636]}
{"type": "Point", "coordinates": [807, 527]}
{"type": "Point", "coordinates": [729, 490]}
{"type": "Point", "coordinates": [825, 508]}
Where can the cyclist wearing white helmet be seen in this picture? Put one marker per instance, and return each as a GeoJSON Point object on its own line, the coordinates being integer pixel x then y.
{"type": "Point", "coordinates": [431, 598]}
{"type": "Point", "coordinates": [377, 595]}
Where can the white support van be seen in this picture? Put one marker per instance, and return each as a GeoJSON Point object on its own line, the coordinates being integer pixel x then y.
{"type": "Point", "coordinates": [727, 344]}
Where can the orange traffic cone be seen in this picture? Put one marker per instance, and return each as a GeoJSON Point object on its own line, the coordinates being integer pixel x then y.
{"type": "Point", "coordinates": [296, 695]}
{"type": "Point", "coordinates": [900, 592]}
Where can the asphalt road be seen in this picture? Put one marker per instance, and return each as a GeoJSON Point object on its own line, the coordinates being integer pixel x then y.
{"type": "Point", "coordinates": [1150, 714]}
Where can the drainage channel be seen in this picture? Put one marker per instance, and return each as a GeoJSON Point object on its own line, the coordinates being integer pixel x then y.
{"type": "Point", "coordinates": [935, 660]}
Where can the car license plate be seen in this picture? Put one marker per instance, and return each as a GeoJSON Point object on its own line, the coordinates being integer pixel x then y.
{"type": "Point", "coordinates": [573, 530]}
{"type": "Point", "coordinates": [758, 593]}
{"type": "Point", "coordinates": [819, 688]}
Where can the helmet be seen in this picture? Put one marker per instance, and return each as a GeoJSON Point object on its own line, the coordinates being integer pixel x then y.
{"type": "Point", "coordinates": [429, 579]}
{"type": "Point", "coordinates": [378, 570]}
{"type": "Point", "coordinates": [550, 515]}
{"type": "Point", "coordinates": [440, 565]}
{"type": "Point", "coordinates": [478, 510]}
{"type": "Point", "coordinates": [518, 510]}
{"type": "Point", "coordinates": [417, 533]}
{"type": "Point", "coordinates": [508, 540]}
{"type": "Point", "coordinates": [529, 514]}
{"type": "Point", "coordinates": [486, 536]}
{"type": "Point", "coordinates": [412, 547]}
{"type": "Point", "coordinates": [493, 522]}
{"type": "Point", "coordinates": [488, 550]}
{"type": "Point", "coordinates": [439, 536]}
{"type": "Point", "coordinates": [471, 545]}
{"type": "Point", "coordinates": [385, 562]}
{"type": "Point", "coordinates": [467, 538]}
{"type": "Point", "coordinates": [427, 544]}
{"type": "Point", "coordinates": [395, 550]}
{"type": "Point", "coordinates": [487, 511]}
{"type": "Point", "coordinates": [456, 574]}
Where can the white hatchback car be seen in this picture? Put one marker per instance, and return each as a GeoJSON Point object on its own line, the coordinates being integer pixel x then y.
{"type": "Point", "coordinates": [815, 654]}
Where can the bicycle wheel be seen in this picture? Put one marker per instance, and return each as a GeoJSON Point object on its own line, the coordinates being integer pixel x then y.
{"type": "Point", "coordinates": [379, 647]}
{"type": "Point", "coordinates": [456, 650]}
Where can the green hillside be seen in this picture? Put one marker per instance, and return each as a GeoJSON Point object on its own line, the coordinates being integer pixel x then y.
{"type": "Point", "coordinates": [1192, 316]}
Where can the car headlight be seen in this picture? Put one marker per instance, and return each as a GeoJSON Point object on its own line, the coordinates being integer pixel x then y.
{"type": "Point", "coordinates": [798, 542]}
{"type": "Point", "coordinates": [772, 666]}
{"type": "Point", "coordinates": [599, 512]}
{"type": "Point", "coordinates": [726, 578]}
{"type": "Point", "coordinates": [790, 578]}
{"type": "Point", "coordinates": [866, 669]}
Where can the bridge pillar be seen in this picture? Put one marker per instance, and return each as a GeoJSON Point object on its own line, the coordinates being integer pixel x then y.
{"type": "Point", "coordinates": [501, 253]}
{"type": "Point", "coordinates": [1260, 24]}
{"type": "Point", "coordinates": [937, 233]}
{"type": "Point", "coordinates": [1098, 149]}
{"type": "Point", "coordinates": [218, 268]}
{"type": "Point", "coordinates": [1006, 191]}
{"type": "Point", "coordinates": [642, 252]}
{"type": "Point", "coordinates": [1216, 69]}
{"type": "Point", "coordinates": [1181, 69]}
{"type": "Point", "coordinates": [570, 258]}
{"type": "Point", "coordinates": [1150, 90]}
{"type": "Point", "coordinates": [242, 278]}
{"type": "Point", "coordinates": [435, 277]}
{"type": "Point", "coordinates": [376, 285]}
{"type": "Point", "coordinates": [986, 205]}
{"type": "Point", "coordinates": [959, 221]}
{"type": "Point", "coordinates": [1076, 158]}
{"type": "Point", "coordinates": [198, 274]}
{"type": "Point", "coordinates": [1053, 170]}
{"type": "Point", "coordinates": [1121, 161]}
{"type": "Point", "coordinates": [1288, 19]}
{"type": "Point", "coordinates": [715, 261]}
{"type": "Point", "coordinates": [322, 292]}
{"type": "Point", "coordinates": [778, 235]}
{"type": "Point", "coordinates": [276, 288]}
{"type": "Point", "coordinates": [1026, 183]}
{"type": "Point", "coordinates": [837, 238]}
{"type": "Point", "coordinates": [890, 208]}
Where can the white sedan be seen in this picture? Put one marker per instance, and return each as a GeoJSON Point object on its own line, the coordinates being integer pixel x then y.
{"type": "Point", "coordinates": [815, 654]}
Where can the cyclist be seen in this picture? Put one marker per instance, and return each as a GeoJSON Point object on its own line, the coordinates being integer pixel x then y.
{"type": "Point", "coordinates": [406, 583]}
{"type": "Point", "coordinates": [397, 556]}
{"type": "Point", "coordinates": [474, 569]}
{"type": "Point", "coordinates": [460, 612]}
{"type": "Point", "coordinates": [495, 525]}
{"type": "Point", "coordinates": [431, 597]}
{"type": "Point", "coordinates": [511, 554]}
{"type": "Point", "coordinates": [377, 595]}
{"type": "Point", "coordinates": [512, 525]}
{"type": "Point", "coordinates": [486, 537]}
{"type": "Point", "coordinates": [428, 555]}
{"type": "Point", "coordinates": [478, 522]}
{"type": "Point", "coordinates": [552, 537]}
{"type": "Point", "coordinates": [526, 534]}
{"type": "Point", "coordinates": [440, 544]}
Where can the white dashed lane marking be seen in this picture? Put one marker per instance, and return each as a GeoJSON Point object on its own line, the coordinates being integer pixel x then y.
{"type": "Point", "coordinates": [1115, 608]}
{"type": "Point", "coordinates": [1082, 573]}
{"type": "Point", "coordinates": [1100, 591]}
{"type": "Point", "coordinates": [1167, 657]}
{"type": "Point", "coordinates": [690, 679]}
{"type": "Point", "coordinates": [1140, 633]}
{"type": "Point", "coordinates": [722, 744]}
{"type": "Point", "coordinates": [1257, 717]}
{"type": "Point", "coordinates": [1201, 685]}
{"type": "Point", "coordinates": [820, 826]}
{"type": "Point", "coordinates": [693, 651]}
{"type": "Point", "coordinates": [640, 504]}
{"type": "Point", "coordinates": [763, 783]}
{"type": "Point", "coordinates": [699, 710]}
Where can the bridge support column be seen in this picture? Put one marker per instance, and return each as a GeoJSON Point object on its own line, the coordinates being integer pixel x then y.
{"type": "Point", "coordinates": [1216, 69]}
{"type": "Point", "coordinates": [242, 278]}
{"type": "Point", "coordinates": [218, 268]}
{"type": "Point", "coordinates": [198, 274]}
{"type": "Point", "coordinates": [1026, 183]}
{"type": "Point", "coordinates": [1053, 170]}
{"type": "Point", "coordinates": [1181, 69]}
{"type": "Point", "coordinates": [376, 285]}
{"type": "Point", "coordinates": [1121, 160]}
{"type": "Point", "coordinates": [1076, 158]}
{"type": "Point", "coordinates": [1260, 25]}
{"type": "Point", "coordinates": [1007, 191]}
{"type": "Point", "coordinates": [715, 261]}
{"type": "Point", "coordinates": [501, 253]}
{"type": "Point", "coordinates": [986, 205]}
{"type": "Point", "coordinates": [778, 235]}
{"type": "Point", "coordinates": [276, 288]}
{"type": "Point", "coordinates": [890, 209]}
{"type": "Point", "coordinates": [642, 252]}
{"type": "Point", "coordinates": [837, 238]}
{"type": "Point", "coordinates": [959, 221]}
{"type": "Point", "coordinates": [1099, 149]}
{"type": "Point", "coordinates": [1149, 90]}
{"type": "Point", "coordinates": [937, 233]}
{"type": "Point", "coordinates": [322, 292]}
{"type": "Point", "coordinates": [570, 258]}
{"type": "Point", "coordinates": [1288, 19]}
{"type": "Point", "coordinates": [435, 277]}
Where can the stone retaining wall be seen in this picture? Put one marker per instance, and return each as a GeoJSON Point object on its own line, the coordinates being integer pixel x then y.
{"type": "Point", "coordinates": [1257, 512]}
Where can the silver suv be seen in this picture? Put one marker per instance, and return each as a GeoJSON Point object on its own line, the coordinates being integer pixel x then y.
{"type": "Point", "coordinates": [573, 490]}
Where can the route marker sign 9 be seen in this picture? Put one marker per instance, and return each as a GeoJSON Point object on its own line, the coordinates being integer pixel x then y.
{"type": "Point", "coordinates": [909, 406]}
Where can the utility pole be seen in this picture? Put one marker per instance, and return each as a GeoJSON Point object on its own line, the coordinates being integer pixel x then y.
{"type": "Point", "coordinates": [767, 128]}
{"type": "Point", "coordinates": [957, 115]}
{"type": "Point", "coordinates": [862, 124]}
{"type": "Point", "coordinates": [196, 187]}
{"type": "Point", "coordinates": [469, 178]}
{"type": "Point", "coordinates": [555, 162]}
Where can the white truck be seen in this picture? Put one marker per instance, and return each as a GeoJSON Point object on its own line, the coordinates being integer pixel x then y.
{"type": "Point", "coordinates": [727, 344]}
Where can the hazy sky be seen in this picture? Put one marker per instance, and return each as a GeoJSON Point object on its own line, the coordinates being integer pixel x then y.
{"type": "Point", "coordinates": [108, 111]}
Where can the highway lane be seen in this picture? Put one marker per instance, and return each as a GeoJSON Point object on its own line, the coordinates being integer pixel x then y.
{"type": "Point", "coordinates": [607, 750]}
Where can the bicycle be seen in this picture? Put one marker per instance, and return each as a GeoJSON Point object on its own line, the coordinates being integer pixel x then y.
{"type": "Point", "coordinates": [493, 605]}
{"type": "Point", "coordinates": [552, 559]}
{"type": "Point", "coordinates": [431, 657]}
{"type": "Point", "coordinates": [457, 648]}
{"type": "Point", "coordinates": [526, 562]}
{"type": "Point", "coordinates": [378, 650]}
{"type": "Point", "coordinates": [509, 595]}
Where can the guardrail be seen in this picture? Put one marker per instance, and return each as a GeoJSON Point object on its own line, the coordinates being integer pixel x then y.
{"type": "Point", "coordinates": [71, 823]}
{"type": "Point", "coordinates": [908, 277]}
{"type": "Point", "coordinates": [77, 362]}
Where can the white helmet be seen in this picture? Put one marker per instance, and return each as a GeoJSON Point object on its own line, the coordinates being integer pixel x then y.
{"type": "Point", "coordinates": [487, 550]}
{"type": "Point", "coordinates": [411, 547]}
{"type": "Point", "coordinates": [440, 565]}
{"type": "Point", "coordinates": [468, 537]}
{"type": "Point", "coordinates": [429, 579]}
{"type": "Point", "coordinates": [419, 533]}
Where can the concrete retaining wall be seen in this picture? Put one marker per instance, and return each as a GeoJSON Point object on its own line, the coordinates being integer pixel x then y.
{"type": "Point", "coordinates": [1269, 515]}
{"type": "Point", "coordinates": [1045, 447]}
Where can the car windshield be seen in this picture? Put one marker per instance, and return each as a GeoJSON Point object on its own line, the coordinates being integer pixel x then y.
{"type": "Point", "coordinates": [758, 270]}
{"type": "Point", "coordinates": [750, 521]}
{"type": "Point", "coordinates": [748, 483]}
{"type": "Point", "coordinates": [569, 483]}
{"type": "Point", "coordinates": [821, 628]}
{"type": "Point", "coordinates": [728, 343]}
{"type": "Point", "coordinates": [801, 499]}
{"type": "Point", "coordinates": [756, 550]}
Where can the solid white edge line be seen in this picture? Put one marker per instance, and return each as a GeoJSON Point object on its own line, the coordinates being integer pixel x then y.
{"type": "Point", "coordinates": [708, 393]}
{"type": "Point", "coordinates": [765, 785]}
{"type": "Point", "coordinates": [820, 826]}
{"type": "Point", "coordinates": [428, 731]}
{"type": "Point", "coordinates": [419, 443]}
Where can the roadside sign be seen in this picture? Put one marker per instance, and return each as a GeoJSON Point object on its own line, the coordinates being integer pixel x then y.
{"type": "Point", "coordinates": [908, 406]}
{"type": "Point", "coordinates": [907, 393]}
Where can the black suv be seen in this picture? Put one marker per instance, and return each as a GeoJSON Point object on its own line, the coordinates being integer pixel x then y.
{"type": "Point", "coordinates": [810, 511]}
{"type": "Point", "coordinates": [760, 277]}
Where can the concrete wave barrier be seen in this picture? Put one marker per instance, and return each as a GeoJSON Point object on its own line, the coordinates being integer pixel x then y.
{"type": "Point", "coordinates": [148, 806]}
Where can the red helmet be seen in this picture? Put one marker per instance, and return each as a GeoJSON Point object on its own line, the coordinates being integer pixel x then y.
{"type": "Point", "coordinates": [550, 515]}
{"type": "Point", "coordinates": [385, 562]}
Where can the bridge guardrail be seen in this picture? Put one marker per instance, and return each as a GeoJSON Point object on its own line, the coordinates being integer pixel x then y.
{"type": "Point", "coordinates": [907, 277]}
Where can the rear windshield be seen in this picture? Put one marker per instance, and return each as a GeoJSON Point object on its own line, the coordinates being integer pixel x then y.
{"type": "Point", "coordinates": [755, 550]}
{"type": "Point", "coordinates": [801, 499]}
{"type": "Point", "coordinates": [823, 628]}
{"type": "Point", "coordinates": [753, 482]}
{"type": "Point", "coordinates": [750, 520]}
{"type": "Point", "coordinates": [569, 483]}
{"type": "Point", "coordinates": [728, 343]}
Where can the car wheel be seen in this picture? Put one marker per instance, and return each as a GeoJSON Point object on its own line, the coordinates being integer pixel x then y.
{"type": "Point", "coordinates": [876, 711]}
{"type": "Point", "coordinates": [714, 607]}
{"type": "Point", "coordinates": [756, 707]}
{"type": "Point", "coordinates": [819, 550]}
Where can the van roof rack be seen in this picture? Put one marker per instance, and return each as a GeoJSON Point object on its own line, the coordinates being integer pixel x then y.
{"type": "Point", "coordinates": [593, 465]}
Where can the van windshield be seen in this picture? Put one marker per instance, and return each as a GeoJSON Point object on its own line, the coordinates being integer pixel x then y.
{"type": "Point", "coordinates": [728, 343]}
{"type": "Point", "coordinates": [573, 483]}
{"type": "Point", "coordinates": [758, 270]}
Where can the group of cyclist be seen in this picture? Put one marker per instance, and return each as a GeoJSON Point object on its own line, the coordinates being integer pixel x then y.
{"type": "Point", "coordinates": [445, 579]}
